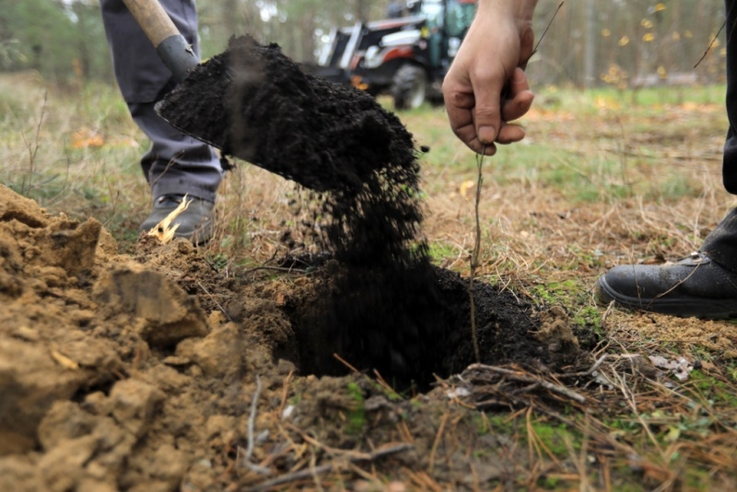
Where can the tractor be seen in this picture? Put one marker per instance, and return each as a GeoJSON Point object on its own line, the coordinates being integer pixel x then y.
{"type": "Point", "coordinates": [405, 57]}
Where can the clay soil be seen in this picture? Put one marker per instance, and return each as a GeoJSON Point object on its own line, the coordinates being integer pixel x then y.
{"type": "Point", "coordinates": [157, 371]}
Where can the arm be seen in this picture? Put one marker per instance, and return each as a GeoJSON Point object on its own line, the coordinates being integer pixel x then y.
{"type": "Point", "coordinates": [486, 86]}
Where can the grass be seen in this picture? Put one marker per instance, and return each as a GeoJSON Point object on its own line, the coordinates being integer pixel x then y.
{"type": "Point", "coordinates": [599, 181]}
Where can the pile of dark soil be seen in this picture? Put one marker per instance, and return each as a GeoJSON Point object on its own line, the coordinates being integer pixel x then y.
{"type": "Point", "coordinates": [254, 103]}
{"type": "Point", "coordinates": [381, 305]}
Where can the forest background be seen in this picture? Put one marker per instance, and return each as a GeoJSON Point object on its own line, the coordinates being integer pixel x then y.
{"type": "Point", "coordinates": [625, 43]}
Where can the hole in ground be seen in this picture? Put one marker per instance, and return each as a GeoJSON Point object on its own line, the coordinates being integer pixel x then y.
{"type": "Point", "coordinates": [413, 324]}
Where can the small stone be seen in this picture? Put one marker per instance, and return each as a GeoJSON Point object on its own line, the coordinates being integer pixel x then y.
{"type": "Point", "coordinates": [134, 404]}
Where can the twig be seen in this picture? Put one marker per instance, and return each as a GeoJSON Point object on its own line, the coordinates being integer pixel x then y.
{"type": "Point", "coordinates": [560, 5]}
{"type": "Point", "coordinates": [714, 39]}
{"type": "Point", "coordinates": [597, 364]}
{"type": "Point", "coordinates": [252, 417]}
{"type": "Point", "coordinates": [311, 472]}
{"type": "Point", "coordinates": [212, 267]}
{"type": "Point", "coordinates": [346, 363]}
{"type": "Point", "coordinates": [285, 391]}
{"type": "Point", "coordinates": [436, 442]}
{"type": "Point", "coordinates": [251, 425]}
{"type": "Point", "coordinates": [382, 382]}
{"type": "Point", "coordinates": [526, 378]}
{"type": "Point", "coordinates": [330, 450]}
{"type": "Point", "coordinates": [527, 404]}
{"type": "Point", "coordinates": [276, 269]}
{"type": "Point", "coordinates": [291, 477]}
{"type": "Point", "coordinates": [588, 372]}
{"type": "Point", "coordinates": [475, 257]}
{"type": "Point", "coordinates": [629, 397]}
{"type": "Point", "coordinates": [215, 301]}
{"type": "Point", "coordinates": [33, 149]}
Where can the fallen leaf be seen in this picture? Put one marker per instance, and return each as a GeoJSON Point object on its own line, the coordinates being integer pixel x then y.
{"type": "Point", "coordinates": [465, 187]}
{"type": "Point", "coordinates": [164, 231]}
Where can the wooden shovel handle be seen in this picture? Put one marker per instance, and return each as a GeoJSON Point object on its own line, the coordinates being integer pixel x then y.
{"type": "Point", "coordinates": [171, 46]}
{"type": "Point", "coordinates": [153, 19]}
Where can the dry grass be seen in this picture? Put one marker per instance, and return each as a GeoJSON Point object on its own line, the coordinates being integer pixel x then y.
{"type": "Point", "coordinates": [598, 183]}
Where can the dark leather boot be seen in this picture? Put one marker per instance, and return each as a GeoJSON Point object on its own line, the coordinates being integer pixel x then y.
{"type": "Point", "coordinates": [694, 286]}
{"type": "Point", "coordinates": [195, 223]}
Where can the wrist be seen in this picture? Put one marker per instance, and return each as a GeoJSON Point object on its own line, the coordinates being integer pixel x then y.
{"type": "Point", "coordinates": [518, 11]}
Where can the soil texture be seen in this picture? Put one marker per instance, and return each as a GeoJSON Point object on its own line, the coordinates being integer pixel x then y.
{"type": "Point", "coordinates": [139, 372]}
{"type": "Point", "coordinates": [157, 371]}
{"type": "Point", "coordinates": [381, 303]}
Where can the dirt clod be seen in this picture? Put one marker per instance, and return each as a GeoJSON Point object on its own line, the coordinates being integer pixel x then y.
{"type": "Point", "coordinates": [168, 314]}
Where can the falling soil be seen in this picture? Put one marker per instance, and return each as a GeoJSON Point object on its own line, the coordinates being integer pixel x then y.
{"type": "Point", "coordinates": [158, 372]}
{"type": "Point", "coordinates": [381, 305]}
{"type": "Point", "coordinates": [254, 103]}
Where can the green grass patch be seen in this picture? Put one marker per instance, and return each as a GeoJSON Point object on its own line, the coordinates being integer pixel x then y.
{"type": "Point", "coordinates": [356, 415]}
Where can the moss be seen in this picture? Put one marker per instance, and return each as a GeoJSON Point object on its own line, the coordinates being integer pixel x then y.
{"type": "Point", "coordinates": [554, 437]}
{"type": "Point", "coordinates": [356, 416]}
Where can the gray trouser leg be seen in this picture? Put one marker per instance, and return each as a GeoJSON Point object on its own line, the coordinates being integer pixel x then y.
{"type": "Point", "coordinates": [721, 244]}
{"type": "Point", "coordinates": [175, 164]}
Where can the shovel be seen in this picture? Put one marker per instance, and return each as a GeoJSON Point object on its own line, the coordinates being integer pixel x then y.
{"type": "Point", "coordinates": [172, 48]}
{"type": "Point", "coordinates": [254, 103]}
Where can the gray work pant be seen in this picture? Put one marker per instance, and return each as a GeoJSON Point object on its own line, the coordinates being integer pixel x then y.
{"type": "Point", "coordinates": [175, 163]}
{"type": "Point", "coordinates": [721, 244]}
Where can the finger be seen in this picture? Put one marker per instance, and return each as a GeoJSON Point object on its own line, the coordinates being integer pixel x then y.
{"type": "Point", "coordinates": [488, 90]}
{"type": "Point", "coordinates": [467, 135]}
{"type": "Point", "coordinates": [481, 148]}
{"type": "Point", "coordinates": [458, 98]}
{"type": "Point", "coordinates": [518, 83]}
{"type": "Point", "coordinates": [510, 134]}
{"type": "Point", "coordinates": [517, 107]}
{"type": "Point", "coordinates": [458, 104]}
{"type": "Point", "coordinates": [520, 97]}
{"type": "Point", "coordinates": [527, 43]}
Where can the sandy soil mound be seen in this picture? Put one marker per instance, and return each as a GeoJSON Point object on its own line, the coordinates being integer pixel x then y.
{"type": "Point", "coordinates": [111, 375]}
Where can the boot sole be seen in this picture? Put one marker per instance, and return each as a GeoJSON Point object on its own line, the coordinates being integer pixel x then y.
{"type": "Point", "coordinates": [684, 307]}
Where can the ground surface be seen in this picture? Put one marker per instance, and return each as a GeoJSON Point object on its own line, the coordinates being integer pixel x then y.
{"type": "Point", "coordinates": [156, 371]}
{"type": "Point", "coordinates": [170, 368]}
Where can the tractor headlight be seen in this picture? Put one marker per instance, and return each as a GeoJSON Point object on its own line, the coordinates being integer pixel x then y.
{"type": "Point", "coordinates": [372, 58]}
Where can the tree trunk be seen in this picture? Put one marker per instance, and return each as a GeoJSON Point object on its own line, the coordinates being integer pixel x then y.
{"type": "Point", "coordinates": [589, 55]}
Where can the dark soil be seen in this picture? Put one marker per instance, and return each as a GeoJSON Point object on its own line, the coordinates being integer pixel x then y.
{"type": "Point", "coordinates": [381, 306]}
{"type": "Point", "coordinates": [413, 325]}
{"type": "Point", "coordinates": [254, 103]}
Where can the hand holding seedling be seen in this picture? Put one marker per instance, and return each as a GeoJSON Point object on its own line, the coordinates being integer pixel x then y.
{"type": "Point", "coordinates": [486, 86]}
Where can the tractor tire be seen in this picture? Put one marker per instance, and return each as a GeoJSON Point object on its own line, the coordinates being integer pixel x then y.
{"type": "Point", "coordinates": [409, 87]}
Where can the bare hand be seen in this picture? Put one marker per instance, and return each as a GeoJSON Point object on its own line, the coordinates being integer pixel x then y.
{"type": "Point", "coordinates": [486, 87]}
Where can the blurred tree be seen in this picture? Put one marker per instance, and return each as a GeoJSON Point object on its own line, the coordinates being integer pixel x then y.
{"type": "Point", "coordinates": [62, 40]}
{"type": "Point", "coordinates": [621, 42]}
{"type": "Point", "coordinates": [629, 42]}
{"type": "Point", "coordinates": [93, 52]}
{"type": "Point", "coordinates": [296, 25]}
